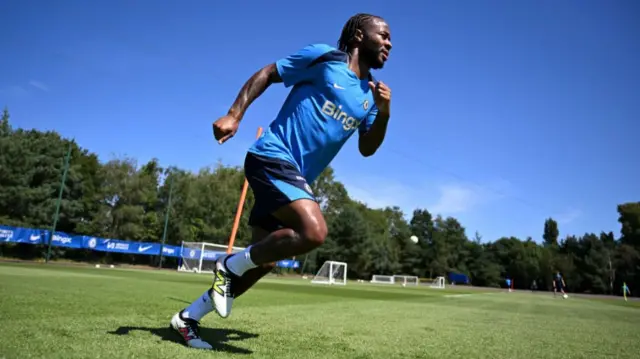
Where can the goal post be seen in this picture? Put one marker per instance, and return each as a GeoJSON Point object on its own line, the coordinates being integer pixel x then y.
{"type": "Point", "coordinates": [401, 279]}
{"type": "Point", "coordinates": [437, 283]}
{"type": "Point", "coordinates": [200, 257]}
{"type": "Point", "coordinates": [406, 279]}
{"type": "Point", "coordinates": [331, 272]}
{"type": "Point", "coordinates": [382, 279]}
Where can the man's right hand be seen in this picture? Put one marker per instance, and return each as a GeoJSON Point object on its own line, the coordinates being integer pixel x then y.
{"type": "Point", "coordinates": [225, 127]}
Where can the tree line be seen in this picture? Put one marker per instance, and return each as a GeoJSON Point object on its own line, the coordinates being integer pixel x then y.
{"type": "Point", "coordinates": [124, 199]}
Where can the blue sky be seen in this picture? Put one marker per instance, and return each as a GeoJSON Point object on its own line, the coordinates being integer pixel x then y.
{"type": "Point", "coordinates": [504, 112]}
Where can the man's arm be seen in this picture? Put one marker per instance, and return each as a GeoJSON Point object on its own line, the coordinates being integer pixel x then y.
{"type": "Point", "coordinates": [291, 70]}
{"type": "Point", "coordinates": [370, 141]}
{"type": "Point", "coordinates": [372, 134]}
{"type": "Point", "coordinates": [253, 88]}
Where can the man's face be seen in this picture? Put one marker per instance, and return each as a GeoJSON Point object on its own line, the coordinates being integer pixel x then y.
{"type": "Point", "coordinates": [376, 43]}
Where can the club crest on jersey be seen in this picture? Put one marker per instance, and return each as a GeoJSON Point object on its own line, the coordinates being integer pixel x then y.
{"type": "Point", "coordinates": [365, 104]}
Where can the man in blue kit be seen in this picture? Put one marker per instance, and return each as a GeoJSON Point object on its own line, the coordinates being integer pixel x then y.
{"type": "Point", "coordinates": [558, 284]}
{"type": "Point", "coordinates": [333, 94]}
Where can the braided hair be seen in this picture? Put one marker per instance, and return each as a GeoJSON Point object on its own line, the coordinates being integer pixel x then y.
{"type": "Point", "coordinates": [356, 22]}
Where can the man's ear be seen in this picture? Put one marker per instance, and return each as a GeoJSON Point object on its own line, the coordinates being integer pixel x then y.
{"type": "Point", "coordinates": [358, 37]}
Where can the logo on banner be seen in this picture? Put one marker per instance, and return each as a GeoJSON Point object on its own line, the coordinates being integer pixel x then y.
{"type": "Point", "coordinates": [6, 234]}
{"type": "Point", "coordinates": [61, 239]}
{"type": "Point", "coordinates": [118, 246]}
{"type": "Point", "coordinates": [92, 243]}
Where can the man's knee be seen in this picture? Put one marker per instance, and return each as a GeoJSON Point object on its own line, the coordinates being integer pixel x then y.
{"type": "Point", "coordinates": [306, 222]}
{"type": "Point", "coordinates": [314, 233]}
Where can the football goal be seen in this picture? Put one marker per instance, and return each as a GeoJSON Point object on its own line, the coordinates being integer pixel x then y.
{"type": "Point", "coordinates": [200, 257]}
{"type": "Point", "coordinates": [438, 283]}
{"type": "Point", "coordinates": [406, 279]}
{"type": "Point", "coordinates": [331, 272]}
{"type": "Point", "coordinates": [382, 279]}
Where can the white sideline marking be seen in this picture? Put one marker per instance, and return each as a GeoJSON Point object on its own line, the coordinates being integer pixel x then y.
{"type": "Point", "coordinates": [456, 295]}
{"type": "Point", "coordinates": [465, 295]}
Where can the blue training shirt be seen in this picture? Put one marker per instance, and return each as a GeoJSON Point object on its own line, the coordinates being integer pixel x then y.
{"type": "Point", "coordinates": [326, 105]}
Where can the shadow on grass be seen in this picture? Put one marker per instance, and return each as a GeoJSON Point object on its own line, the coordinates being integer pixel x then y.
{"type": "Point", "coordinates": [218, 338]}
{"type": "Point", "coordinates": [179, 300]}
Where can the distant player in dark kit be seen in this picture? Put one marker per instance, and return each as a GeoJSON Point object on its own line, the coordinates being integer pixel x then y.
{"type": "Point", "coordinates": [558, 284]}
{"type": "Point", "coordinates": [333, 95]}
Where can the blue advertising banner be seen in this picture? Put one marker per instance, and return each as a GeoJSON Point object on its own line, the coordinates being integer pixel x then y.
{"type": "Point", "coordinates": [118, 246]}
{"type": "Point", "coordinates": [9, 234]}
{"type": "Point", "coordinates": [170, 251]}
{"type": "Point", "coordinates": [61, 239]}
{"type": "Point", "coordinates": [286, 263]}
{"type": "Point", "coordinates": [21, 235]}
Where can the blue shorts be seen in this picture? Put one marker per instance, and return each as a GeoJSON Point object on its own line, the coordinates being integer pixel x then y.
{"type": "Point", "coordinates": [275, 183]}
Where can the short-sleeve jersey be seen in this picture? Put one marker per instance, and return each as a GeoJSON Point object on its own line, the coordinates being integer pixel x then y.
{"type": "Point", "coordinates": [326, 105]}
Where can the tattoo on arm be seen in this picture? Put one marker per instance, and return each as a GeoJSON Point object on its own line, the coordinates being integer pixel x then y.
{"type": "Point", "coordinates": [253, 88]}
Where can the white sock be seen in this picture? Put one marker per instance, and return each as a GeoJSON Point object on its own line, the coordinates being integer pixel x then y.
{"type": "Point", "coordinates": [198, 309]}
{"type": "Point", "coordinates": [240, 262]}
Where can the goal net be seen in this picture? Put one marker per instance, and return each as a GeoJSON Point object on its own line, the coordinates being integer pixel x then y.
{"type": "Point", "coordinates": [438, 283]}
{"type": "Point", "coordinates": [331, 272]}
{"type": "Point", "coordinates": [406, 279]}
{"type": "Point", "coordinates": [383, 279]}
{"type": "Point", "coordinates": [200, 257]}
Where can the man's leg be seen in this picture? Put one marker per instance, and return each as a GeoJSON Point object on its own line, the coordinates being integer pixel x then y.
{"type": "Point", "coordinates": [310, 233]}
{"type": "Point", "coordinates": [282, 199]}
{"type": "Point", "coordinates": [252, 276]}
{"type": "Point", "coordinates": [186, 321]}
{"type": "Point", "coordinates": [305, 229]}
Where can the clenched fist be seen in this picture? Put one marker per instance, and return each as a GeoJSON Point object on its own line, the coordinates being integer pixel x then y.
{"type": "Point", "coordinates": [225, 127]}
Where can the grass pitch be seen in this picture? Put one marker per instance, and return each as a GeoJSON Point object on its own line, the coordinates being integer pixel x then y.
{"type": "Point", "coordinates": [49, 311]}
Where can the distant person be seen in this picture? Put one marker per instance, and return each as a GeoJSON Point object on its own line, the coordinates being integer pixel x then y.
{"type": "Point", "coordinates": [558, 284]}
{"type": "Point", "coordinates": [625, 290]}
{"type": "Point", "coordinates": [333, 96]}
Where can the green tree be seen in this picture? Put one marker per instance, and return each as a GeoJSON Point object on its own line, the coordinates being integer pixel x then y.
{"type": "Point", "coordinates": [5, 126]}
{"type": "Point", "coordinates": [121, 199]}
{"type": "Point", "coordinates": [551, 233]}
{"type": "Point", "coordinates": [629, 218]}
{"type": "Point", "coordinates": [421, 225]}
